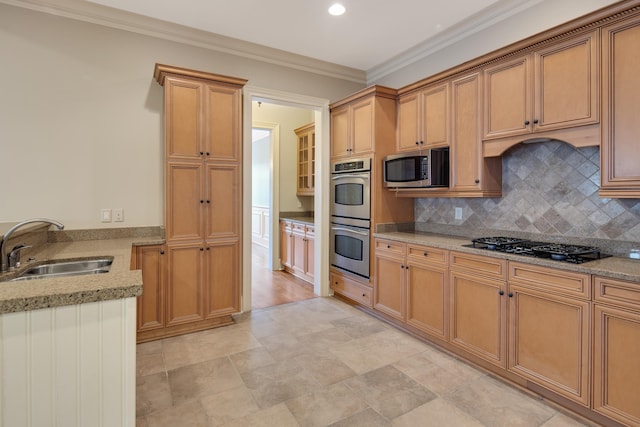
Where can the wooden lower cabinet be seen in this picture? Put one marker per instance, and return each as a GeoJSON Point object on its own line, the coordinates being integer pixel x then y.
{"type": "Point", "coordinates": [616, 367]}
{"type": "Point", "coordinates": [351, 288]}
{"type": "Point", "coordinates": [549, 333]}
{"type": "Point", "coordinates": [222, 260]}
{"type": "Point", "coordinates": [389, 289]}
{"type": "Point", "coordinates": [297, 250]}
{"type": "Point", "coordinates": [151, 304]}
{"type": "Point", "coordinates": [184, 284]}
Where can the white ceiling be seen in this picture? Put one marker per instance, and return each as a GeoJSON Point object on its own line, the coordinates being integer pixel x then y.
{"type": "Point", "coordinates": [369, 34]}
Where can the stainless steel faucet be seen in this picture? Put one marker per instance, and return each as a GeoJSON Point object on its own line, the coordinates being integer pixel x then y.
{"type": "Point", "coordinates": [4, 258]}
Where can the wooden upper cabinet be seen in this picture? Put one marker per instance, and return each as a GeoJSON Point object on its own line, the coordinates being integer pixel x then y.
{"type": "Point", "coordinates": [223, 122]}
{"type": "Point", "coordinates": [555, 87]}
{"type": "Point", "coordinates": [424, 118]}
{"type": "Point", "coordinates": [471, 173]}
{"type": "Point", "coordinates": [620, 168]}
{"type": "Point", "coordinates": [352, 129]}
{"type": "Point", "coordinates": [182, 118]}
{"type": "Point", "coordinates": [306, 160]}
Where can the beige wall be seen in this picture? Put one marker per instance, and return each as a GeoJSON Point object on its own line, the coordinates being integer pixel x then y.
{"type": "Point", "coordinates": [81, 117]}
{"type": "Point", "coordinates": [288, 118]}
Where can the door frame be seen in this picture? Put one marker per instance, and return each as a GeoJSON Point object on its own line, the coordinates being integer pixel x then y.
{"type": "Point", "coordinates": [320, 106]}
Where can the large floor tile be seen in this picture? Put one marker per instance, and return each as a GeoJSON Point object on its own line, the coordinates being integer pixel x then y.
{"type": "Point", "coordinates": [390, 392]}
{"type": "Point", "coordinates": [187, 414]}
{"type": "Point", "coordinates": [359, 326]}
{"type": "Point", "coordinates": [228, 406]}
{"type": "Point", "coordinates": [277, 415]}
{"type": "Point", "coordinates": [436, 413]}
{"type": "Point", "coordinates": [366, 418]}
{"type": "Point", "coordinates": [152, 394]}
{"type": "Point", "coordinates": [203, 379]}
{"type": "Point", "coordinates": [561, 420]}
{"type": "Point", "coordinates": [325, 406]}
{"type": "Point", "coordinates": [496, 404]}
{"type": "Point", "coordinates": [252, 359]}
{"type": "Point", "coordinates": [324, 367]}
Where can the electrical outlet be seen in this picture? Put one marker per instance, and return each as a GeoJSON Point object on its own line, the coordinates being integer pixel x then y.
{"type": "Point", "coordinates": [105, 214]}
{"type": "Point", "coordinates": [458, 213]}
{"type": "Point", "coordinates": [118, 215]}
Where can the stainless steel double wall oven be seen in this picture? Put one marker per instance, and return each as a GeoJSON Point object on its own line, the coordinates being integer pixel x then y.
{"type": "Point", "coordinates": [351, 215]}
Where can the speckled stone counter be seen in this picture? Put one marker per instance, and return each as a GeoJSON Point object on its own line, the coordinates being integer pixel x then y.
{"type": "Point", "coordinates": [119, 282]}
{"type": "Point", "coordinates": [301, 219]}
{"type": "Point", "coordinates": [614, 267]}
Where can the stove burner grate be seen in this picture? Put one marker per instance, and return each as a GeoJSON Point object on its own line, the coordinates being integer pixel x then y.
{"type": "Point", "coordinates": [556, 251]}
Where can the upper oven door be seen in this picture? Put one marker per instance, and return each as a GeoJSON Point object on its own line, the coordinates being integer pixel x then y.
{"type": "Point", "coordinates": [350, 195]}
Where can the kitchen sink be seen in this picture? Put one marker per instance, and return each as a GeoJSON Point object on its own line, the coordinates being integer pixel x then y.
{"type": "Point", "coordinates": [61, 268]}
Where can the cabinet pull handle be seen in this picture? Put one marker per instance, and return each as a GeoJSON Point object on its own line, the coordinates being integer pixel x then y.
{"type": "Point", "coordinates": [535, 121]}
{"type": "Point", "coordinates": [208, 201]}
{"type": "Point", "coordinates": [208, 154]}
{"type": "Point", "coordinates": [201, 249]}
{"type": "Point", "coordinates": [363, 295]}
{"type": "Point", "coordinates": [527, 122]}
{"type": "Point", "coordinates": [510, 294]}
{"type": "Point", "coordinates": [425, 253]}
{"type": "Point", "coordinates": [161, 252]}
{"type": "Point", "coordinates": [417, 143]}
{"type": "Point", "coordinates": [500, 292]}
{"type": "Point", "coordinates": [388, 246]}
{"type": "Point", "coordinates": [477, 181]}
{"type": "Point", "coordinates": [201, 201]}
{"type": "Point", "coordinates": [202, 153]}
{"type": "Point", "coordinates": [208, 248]}
{"type": "Point", "coordinates": [421, 142]}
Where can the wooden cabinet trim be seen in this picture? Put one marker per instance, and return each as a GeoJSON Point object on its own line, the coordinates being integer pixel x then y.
{"type": "Point", "coordinates": [616, 292]}
{"type": "Point", "coordinates": [551, 279]}
{"type": "Point", "coordinates": [478, 264]}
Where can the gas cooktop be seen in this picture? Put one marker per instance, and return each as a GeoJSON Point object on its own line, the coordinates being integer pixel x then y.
{"type": "Point", "coordinates": [556, 251]}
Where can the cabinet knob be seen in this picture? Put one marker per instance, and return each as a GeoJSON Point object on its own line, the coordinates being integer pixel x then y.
{"type": "Point", "coordinates": [208, 248]}
{"type": "Point", "coordinates": [388, 246]}
{"type": "Point", "coordinates": [500, 292]}
{"type": "Point", "coordinates": [510, 294]}
{"type": "Point", "coordinates": [208, 154]}
{"type": "Point", "coordinates": [208, 201]}
{"type": "Point", "coordinates": [364, 295]}
{"type": "Point", "coordinates": [425, 253]}
{"type": "Point", "coordinates": [477, 181]}
{"type": "Point", "coordinates": [161, 252]}
{"type": "Point", "coordinates": [527, 122]}
{"type": "Point", "coordinates": [535, 121]}
{"type": "Point", "coordinates": [421, 142]}
{"type": "Point", "coordinates": [201, 249]}
{"type": "Point", "coordinates": [417, 143]}
{"type": "Point", "coordinates": [201, 201]}
{"type": "Point", "coordinates": [202, 153]}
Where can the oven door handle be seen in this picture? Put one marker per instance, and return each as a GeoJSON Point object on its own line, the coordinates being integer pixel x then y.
{"type": "Point", "coordinates": [348, 230]}
{"type": "Point", "coordinates": [363, 176]}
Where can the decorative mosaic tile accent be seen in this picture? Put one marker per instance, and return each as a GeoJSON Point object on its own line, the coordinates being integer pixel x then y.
{"type": "Point", "coordinates": [548, 188]}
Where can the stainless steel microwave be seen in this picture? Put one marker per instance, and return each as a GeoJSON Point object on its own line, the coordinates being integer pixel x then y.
{"type": "Point", "coordinates": [417, 169]}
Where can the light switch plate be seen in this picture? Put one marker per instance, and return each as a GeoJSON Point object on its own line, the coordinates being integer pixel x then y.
{"type": "Point", "coordinates": [118, 215]}
{"type": "Point", "coordinates": [105, 214]}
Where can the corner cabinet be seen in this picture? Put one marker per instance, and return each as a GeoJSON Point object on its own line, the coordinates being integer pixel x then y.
{"type": "Point", "coordinates": [619, 166]}
{"type": "Point", "coordinates": [203, 206]}
{"type": "Point", "coordinates": [306, 160]}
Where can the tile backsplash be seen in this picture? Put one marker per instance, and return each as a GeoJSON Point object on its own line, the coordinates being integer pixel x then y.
{"type": "Point", "coordinates": [548, 188]}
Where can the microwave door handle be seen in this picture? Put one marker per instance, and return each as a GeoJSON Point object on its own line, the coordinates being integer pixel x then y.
{"type": "Point", "coordinates": [364, 176]}
{"type": "Point", "coordinates": [348, 230]}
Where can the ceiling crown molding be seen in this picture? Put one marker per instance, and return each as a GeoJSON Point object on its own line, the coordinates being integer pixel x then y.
{"type": "Point", "coordinates": [115, 18]}
{"type": "Point", "coordinates": [495, 13]}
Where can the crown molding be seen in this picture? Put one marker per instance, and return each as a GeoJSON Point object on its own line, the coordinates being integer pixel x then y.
{"type": "Point", "coordinates": [101, 15]}
{"type": "Point", "coordinates": [498, 12]}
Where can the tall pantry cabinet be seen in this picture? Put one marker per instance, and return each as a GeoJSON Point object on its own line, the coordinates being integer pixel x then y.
{"type": "Point", "coordinates": [203, 197]}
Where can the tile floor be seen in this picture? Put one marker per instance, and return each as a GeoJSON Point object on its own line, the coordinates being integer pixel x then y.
{"type": "Point", "coordinates": [320, 362]}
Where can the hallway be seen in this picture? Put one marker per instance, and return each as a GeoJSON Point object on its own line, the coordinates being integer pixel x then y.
{"type": "Point", "coordinates": [269, 288]}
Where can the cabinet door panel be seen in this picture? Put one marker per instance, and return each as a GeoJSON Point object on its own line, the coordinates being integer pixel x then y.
{"type": "Point", "coordinates": [507, 99]}
{"type": "Point", "coordinates": [428, 299]}
{"type": "Point", "coordinates": [182, 118]}
{"type": "Point", "coordinates": [151, 304]}
{"type": "Point", "coordinates": [299, 255]}
{"type": "Point", "coordinates": [340, 132]}
{"type": "Point", "coordinates": [617, 365]}
{"type": "Point", "coordinates": [436, 116]}
{"type": "Point", "coordinates": [549, 341]}
{"type": "Point", "coordinates": [388, 294]}
{"type": "Point", "coordinates": [222, 284]}
{"type": "Point", "coordinates": [223, 201]}
{"type": "Point", "coordinates": [184, 287]}
{"type": "Point", "coordinates": [620, 168]}
{"type": "Point", "coordinates": [222, 123]}
{"type": "Point", "coordinates": [477, 318]}
{"type": "Point", "coordinates": [362, 128]}
{"type": "Point", "coordinates": [466, 147]}
{"type": "Point", "coordinates": [567, 84]}
{"type": "Point", "coordinates": [184, 192]}
{"type": "Point", "coordinates": [310, 259]}
{"type": "Point", "coordinates": [408, 122]}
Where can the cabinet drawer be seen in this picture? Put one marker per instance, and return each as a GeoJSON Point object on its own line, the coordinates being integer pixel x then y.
{"type": "Point", "coordinates": [477, 264]}
{"type": "Point", "coordinates": [309, 230]}
{"type": "Point", "coordinates": [286, 225]}
{"type": "Point", "coordinates": [427, 254]}
{"type": "Point", "coordinates": [351, 289]}
{"type": "Point", "coordinates": [617, 292]}
{"type": "Point", "coordinates": [298, 228]}
{"type": "Point", "coordinates": [390, 247]}
{"type": "Point", "coordinates": [551, 279]}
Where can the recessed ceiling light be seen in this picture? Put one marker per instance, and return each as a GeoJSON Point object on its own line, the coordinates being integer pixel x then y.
{"type": "Point", "coordinates": [336, 9]}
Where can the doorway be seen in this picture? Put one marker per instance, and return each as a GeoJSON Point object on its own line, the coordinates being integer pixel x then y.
{"type": "Point", "coordinates": [274, 141]}
{"type": "Point", "coordinates": [318, 111]}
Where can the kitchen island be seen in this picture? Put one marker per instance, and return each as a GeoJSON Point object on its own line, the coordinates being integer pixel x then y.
{"type": "Point", "coordinates": [68, 344]}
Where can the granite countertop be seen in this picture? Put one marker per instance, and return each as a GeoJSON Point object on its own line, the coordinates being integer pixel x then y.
{"type": "Point", "coordinates": [119, 282]}
{"type": "Point", "coordinates": [613, 267]}
{"type": "Point", "coordinates": [302, 219]}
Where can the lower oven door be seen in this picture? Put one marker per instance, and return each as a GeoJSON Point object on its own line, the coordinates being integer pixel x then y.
{"type": "Point", "coordinates": [350, 249]}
